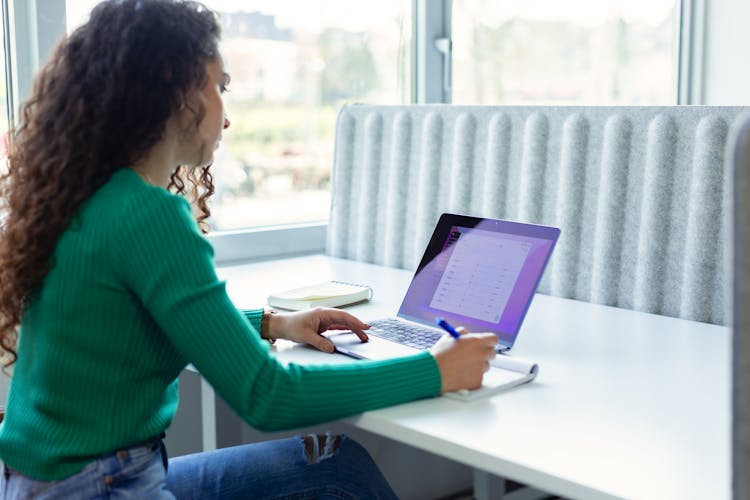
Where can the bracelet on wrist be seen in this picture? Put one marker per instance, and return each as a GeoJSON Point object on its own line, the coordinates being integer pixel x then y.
{"type": "Point", "coordinates": [265, 327]}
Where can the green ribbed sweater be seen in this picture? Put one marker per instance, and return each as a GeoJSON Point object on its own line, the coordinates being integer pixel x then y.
{"type": "Point", "coordinates": [132, 298]}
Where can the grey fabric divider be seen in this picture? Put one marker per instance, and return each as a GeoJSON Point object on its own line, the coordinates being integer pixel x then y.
{"type": "Point", "coordinates": [637, 192]}
{"type": "Point", "coordinates": [741, 323]}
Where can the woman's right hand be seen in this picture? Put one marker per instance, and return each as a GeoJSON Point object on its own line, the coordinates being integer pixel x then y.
{"type": "Point", "coordinates": [462, 362]}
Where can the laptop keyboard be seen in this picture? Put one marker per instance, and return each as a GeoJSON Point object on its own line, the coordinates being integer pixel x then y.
{"type": "Point", "coordinates": [403, 333]}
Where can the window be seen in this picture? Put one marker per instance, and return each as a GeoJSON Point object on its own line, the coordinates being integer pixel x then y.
{"type": "Point", "coordinates": [603, 52]}
{"type": "Point", "coordinates": [293, 65]}
{"type": "Point", "coordinates": [77, 12]}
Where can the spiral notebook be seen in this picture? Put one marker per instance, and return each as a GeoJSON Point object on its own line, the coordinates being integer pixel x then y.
{"type": "Point", "coordinates": [325, 294]}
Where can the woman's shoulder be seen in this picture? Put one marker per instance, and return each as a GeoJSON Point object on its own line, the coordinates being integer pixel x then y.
{"type": "Point", "coordinates": [127, 204]}
{"type": "Point", "coordinates": [126, 193]}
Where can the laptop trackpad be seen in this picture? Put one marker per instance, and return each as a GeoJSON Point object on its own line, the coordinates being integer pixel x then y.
{"type": "Point", "coordinates": [375, 348]}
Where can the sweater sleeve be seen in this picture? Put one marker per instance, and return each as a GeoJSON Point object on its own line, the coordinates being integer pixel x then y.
{"type": "Point", "coordinates": [253, 316]}
{"type": "Point", "coordinates": [168, 264]}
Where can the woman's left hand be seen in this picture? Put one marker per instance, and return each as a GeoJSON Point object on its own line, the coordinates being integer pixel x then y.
{"type": "Point", "coordinates": [306, 326]}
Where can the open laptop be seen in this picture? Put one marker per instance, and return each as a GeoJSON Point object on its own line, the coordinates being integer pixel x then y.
{"type": "Point", "coordinates": [477, 273]}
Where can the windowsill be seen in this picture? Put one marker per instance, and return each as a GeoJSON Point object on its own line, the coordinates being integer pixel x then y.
{"type": "Point", "coordinates": [268, 242]}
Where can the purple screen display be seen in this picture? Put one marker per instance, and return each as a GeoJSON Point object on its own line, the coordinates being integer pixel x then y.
{"type": "Point", "coordinates": [481, 277]}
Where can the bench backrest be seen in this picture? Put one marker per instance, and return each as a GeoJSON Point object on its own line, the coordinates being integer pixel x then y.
{"type": "Point", "coordinates": [638, 192]}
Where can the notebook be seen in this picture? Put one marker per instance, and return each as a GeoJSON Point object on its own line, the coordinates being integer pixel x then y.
{"type": "Point", "coordinates": [325, 294]}
{"type": "Point", "coordinates": [478, 273]}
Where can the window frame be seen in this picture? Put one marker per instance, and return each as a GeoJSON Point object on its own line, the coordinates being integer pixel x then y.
{"type": "Point", "coordinates": [35, 26]}
{"type": "Point", "coordinates": [691, 52]}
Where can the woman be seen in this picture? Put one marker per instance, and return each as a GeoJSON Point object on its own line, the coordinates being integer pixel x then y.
{"type": "Point", "coordinates": [107, 289]}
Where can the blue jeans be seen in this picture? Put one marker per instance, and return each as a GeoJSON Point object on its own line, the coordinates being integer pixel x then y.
{"type": "Point", "coordinates": [320, 467]}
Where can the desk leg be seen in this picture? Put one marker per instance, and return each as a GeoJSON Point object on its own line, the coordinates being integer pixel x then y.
{"type": "Point", "coordinates": [488, 486]}
{"type": "Point", "coordinates": [208, 416]}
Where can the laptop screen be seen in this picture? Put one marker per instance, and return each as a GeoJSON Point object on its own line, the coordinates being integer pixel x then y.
{"type": "Point", "coordinates": [479, 273]}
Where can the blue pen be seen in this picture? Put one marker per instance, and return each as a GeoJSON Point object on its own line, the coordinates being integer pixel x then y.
{"type": "Point", "coordinates": [447, 327]}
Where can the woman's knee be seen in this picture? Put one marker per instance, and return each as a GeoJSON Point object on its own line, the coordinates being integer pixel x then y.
{"type": "Point", "coordinates": [347, 467]}
{"type": "Point", "coordinates": [319, 447]}
{"type": "Point", "coordinates": [346, 452]}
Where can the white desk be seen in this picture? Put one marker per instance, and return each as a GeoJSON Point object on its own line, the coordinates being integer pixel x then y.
{"type": "Point", "coordinates": [626, 404]}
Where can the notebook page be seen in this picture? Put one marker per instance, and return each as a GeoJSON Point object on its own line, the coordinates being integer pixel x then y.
{"type": "Point", "coordinates": [320, 291]}
{"type": "Point", "coordinates": [512, 363]}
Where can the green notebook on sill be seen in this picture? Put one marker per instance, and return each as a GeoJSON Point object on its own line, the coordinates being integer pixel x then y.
{"type": "Point", "coordinates": [325, 294]}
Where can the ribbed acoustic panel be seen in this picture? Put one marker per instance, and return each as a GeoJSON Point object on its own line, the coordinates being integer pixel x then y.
{"type": "Point", "coordinates": [638, 192]}
{"type": "Point", "coordinates": [741, 334]}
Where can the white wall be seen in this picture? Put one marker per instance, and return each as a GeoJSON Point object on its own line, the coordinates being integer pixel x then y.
{"type": "Point", "coordinates": [727, 53]}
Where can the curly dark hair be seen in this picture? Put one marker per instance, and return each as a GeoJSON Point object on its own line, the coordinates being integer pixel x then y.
{"type": "Point", "coordinates": [99, 104]}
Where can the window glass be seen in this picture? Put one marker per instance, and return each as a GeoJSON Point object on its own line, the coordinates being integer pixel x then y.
{"type": "Point", "coordinates": [77, 12]}
{"type": "Point", "coordinates": [293, 64]}
{"type": "Point", "coordinates": [593, 52]}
